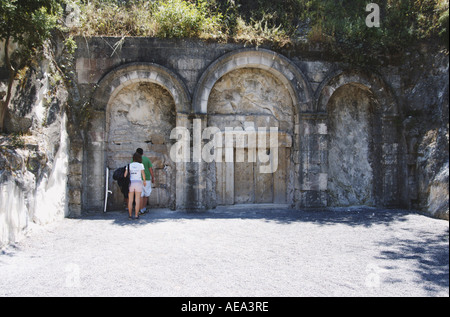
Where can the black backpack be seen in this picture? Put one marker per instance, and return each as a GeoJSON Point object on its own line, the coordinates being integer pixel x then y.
{"type": "Point", "coordinates": [123, 182]}
{"type": "Point", "coordinates": [119, 173]}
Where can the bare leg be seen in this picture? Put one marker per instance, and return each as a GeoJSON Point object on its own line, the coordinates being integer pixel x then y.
{"type": "Point", "coordinates": [130, 203]}
{"type": "Point", "coordinates": [144, 201]}
{"type": "Point", "coordinates": [138, 203]}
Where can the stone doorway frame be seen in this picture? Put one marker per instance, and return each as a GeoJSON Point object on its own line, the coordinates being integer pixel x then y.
{"type": "Point", "coordinates": [95, 154]}
{"type": "Point", "coordinates": [284, 70]}
{"type": "Point", "coordinates": [391, 191]}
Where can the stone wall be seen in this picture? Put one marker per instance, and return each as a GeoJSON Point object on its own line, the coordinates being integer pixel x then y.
{"type": "Point", "coordinates": [345, 125]}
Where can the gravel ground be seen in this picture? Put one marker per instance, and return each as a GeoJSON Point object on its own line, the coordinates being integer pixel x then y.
{"type": "Point", "coordinates": [233, 252]}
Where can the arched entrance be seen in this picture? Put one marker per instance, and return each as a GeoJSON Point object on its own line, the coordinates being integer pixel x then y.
{"type": "Point", "coordinates": [363, 140]}
{"type": "Point", "coordinates": [351, 165]}
{"type": "Point", "coordinates": [244, 99]}
{"type": "Point", "coordinates": [142, 115]}
{"type": "Point", "coordinates": [244, 91]}
{"type": "Point", "coordinates": [135, 105]}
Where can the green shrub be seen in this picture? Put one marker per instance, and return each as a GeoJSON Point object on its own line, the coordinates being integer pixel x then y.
{"type": "Point", "coordinates": [116, 18]}
{"type": "Point", "coordinates": [337, 23]}
{"type": "Point", "coordinates": [177, 18]}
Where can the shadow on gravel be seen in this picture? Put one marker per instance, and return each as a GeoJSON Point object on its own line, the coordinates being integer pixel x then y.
{"type": "Point", "coordinates": [361, 216]}
{"type": "Point", "coordinates": [428, 251]}
{"type": "Point", "coordinates": [430, 254]}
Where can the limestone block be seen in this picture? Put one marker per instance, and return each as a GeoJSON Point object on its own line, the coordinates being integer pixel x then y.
{"type": "Point", "coordinates": [75, 181]}
{"type": "Point", "coordinates": [75, 210]}
{"type": "Point", "coordinates": [316, 71]}
{"type": "Point", "coordinates": [75, 197]}
{"type": "Point", "coordinates": [190, 63]}
{"type": "Point", "coordinates": [158, 139]}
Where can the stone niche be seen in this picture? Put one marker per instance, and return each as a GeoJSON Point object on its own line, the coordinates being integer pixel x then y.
{"type": "Point", "coordinates": [142, 115]}
{"type": "Point", "coordinates": [252, 98]}
{"type": "Point", "coordinates": [350, 147]}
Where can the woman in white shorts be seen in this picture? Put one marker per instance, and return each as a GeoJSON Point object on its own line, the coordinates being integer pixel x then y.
{"type": "Point", "coordinates": [136, 176]}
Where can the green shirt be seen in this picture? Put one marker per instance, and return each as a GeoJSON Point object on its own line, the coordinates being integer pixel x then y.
{"type": "Point", "coordinates": [147, 165]}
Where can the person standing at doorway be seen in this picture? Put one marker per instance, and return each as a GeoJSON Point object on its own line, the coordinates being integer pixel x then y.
{"type": "Point", "coordinates": [147, 190]}
{"type": "Point", "coordinates": [137, 183]}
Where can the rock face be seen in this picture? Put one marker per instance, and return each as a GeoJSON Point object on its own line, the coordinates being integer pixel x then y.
{"type": "Point", "coordinates": [426, 130]}
{"type": "Point", "coordinates": [33, 182]}
{"type": "Point", "coordinates": [438, 198]}
{"type": "Point", "coordinates": [433, 175]}
{"type": "Point", "coordinates": [34, 157]}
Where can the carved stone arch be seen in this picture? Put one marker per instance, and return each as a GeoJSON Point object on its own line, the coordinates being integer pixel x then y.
{"type": "Point", "coordinates": [98, 130]}
{"type": "Point", "coordinates": [372, 82]}
{"type": "Point", "coordinates": [227, 179]}
{"type": "Point", "coordinates": [110, 85]}
{"type": "Point", "coordinates": [281, 67]}
{"type": "Point", "coordinates": [381, 132]}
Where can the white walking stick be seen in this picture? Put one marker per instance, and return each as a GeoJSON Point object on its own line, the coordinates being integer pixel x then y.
{"type": "Point", "coordinates": [107, 191]}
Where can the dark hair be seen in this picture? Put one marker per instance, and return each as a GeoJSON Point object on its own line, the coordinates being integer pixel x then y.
{"type": "Point", "coordinates": [137, 157]}
{"type": "Point", "coordinates": [140, 151]}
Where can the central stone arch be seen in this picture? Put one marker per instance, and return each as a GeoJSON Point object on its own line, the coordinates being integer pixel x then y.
{"type": "Point", "coordinates": [276, 92]}
{"type": "Point", "coordinates": [128, 93]}
{"type": "Point", "coordinates": [281, 67]}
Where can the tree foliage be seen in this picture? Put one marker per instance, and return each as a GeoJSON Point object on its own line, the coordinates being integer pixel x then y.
{"type": "Point", "coordinates": [27, 23]}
